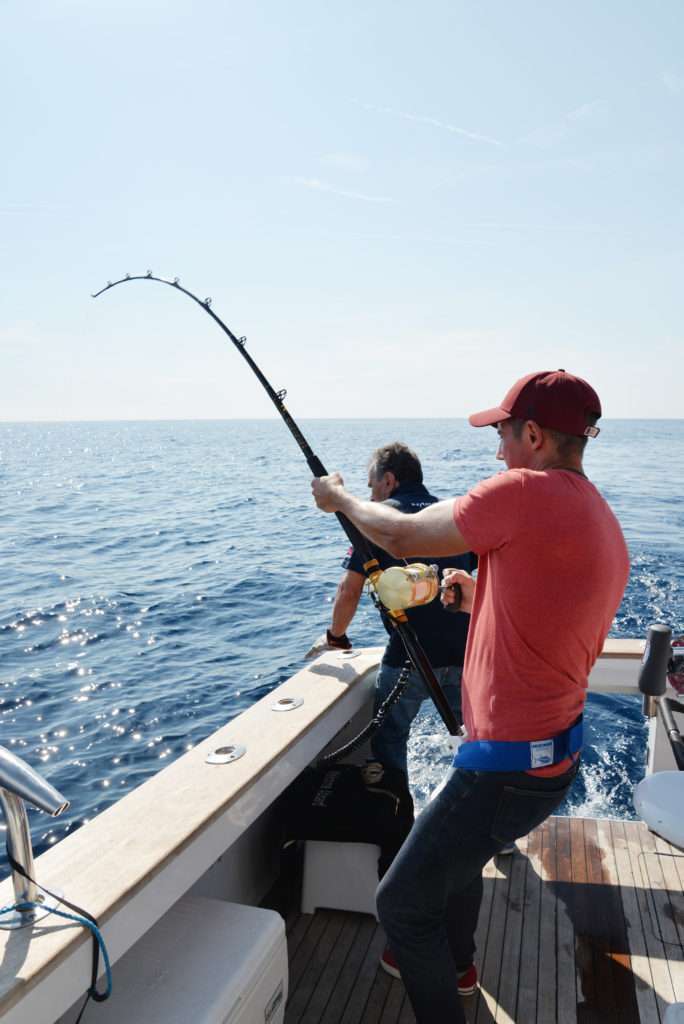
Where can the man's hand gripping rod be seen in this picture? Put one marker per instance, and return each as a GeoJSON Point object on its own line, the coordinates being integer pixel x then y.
{"type": "Point", "coordinates": [413, 646]}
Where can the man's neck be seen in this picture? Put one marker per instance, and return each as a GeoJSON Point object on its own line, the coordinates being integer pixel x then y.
{"type": "Point", "coordinates": [408, 486]}
{"type": "Point", "coordinates": [573, 465]}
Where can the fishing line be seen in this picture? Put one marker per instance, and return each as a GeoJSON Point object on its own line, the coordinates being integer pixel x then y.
{"type": "Point", "coordinates": [80, 916]}
{"type": "Point", "coordinates": [398, 619]}
{"type": "Point", "coordinates": [374, 724]}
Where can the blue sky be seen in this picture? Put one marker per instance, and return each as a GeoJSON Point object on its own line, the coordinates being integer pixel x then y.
{"type": "Point", "coordinates": [404, 207]}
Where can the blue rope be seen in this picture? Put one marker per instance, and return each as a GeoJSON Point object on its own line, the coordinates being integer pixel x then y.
{"type": "Point", "coordinates": [97, 935]}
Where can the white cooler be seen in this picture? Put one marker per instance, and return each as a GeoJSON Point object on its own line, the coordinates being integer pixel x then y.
{"type": "Point", "coordinates": [206, 962]}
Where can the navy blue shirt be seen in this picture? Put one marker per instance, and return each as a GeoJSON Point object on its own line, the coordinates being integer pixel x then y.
{"type": "Point", "coordinates": [443, 634]}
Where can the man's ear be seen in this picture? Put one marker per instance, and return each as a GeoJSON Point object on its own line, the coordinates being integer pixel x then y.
{"type": "Point", "coordinates": [390, 481]}
{"type": "Point", "coordinates": [535, 434]}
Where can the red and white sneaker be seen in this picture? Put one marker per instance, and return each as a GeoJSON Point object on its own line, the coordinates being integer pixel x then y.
{"type": "Point", "coordinates": [467, 982]}
{"type": "Point", "coordinates": [389, 964]}
{"type": "Point", "coordinates": [507, 850]}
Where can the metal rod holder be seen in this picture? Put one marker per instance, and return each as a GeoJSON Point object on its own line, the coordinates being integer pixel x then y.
{"type": "Point", "coordinates": [19, 845]}
{"type": "Point", "coordinates": [20, 782]}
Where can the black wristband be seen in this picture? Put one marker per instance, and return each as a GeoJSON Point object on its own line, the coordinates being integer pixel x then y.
{"type": "Point", "coordinates": [343, 642]}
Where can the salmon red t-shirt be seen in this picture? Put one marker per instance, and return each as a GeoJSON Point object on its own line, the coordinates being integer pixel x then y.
{"type": "Point", "coordinates": [552, 571]}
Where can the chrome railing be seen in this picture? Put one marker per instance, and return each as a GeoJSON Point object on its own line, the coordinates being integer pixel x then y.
{"type": "Point", "coordinates": [20, 782]}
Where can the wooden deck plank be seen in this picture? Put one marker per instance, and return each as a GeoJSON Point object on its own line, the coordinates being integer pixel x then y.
{"type": "Point", "coordinates": [657, 957]}
{"type": "Point", "coordinates": [307, 982]}
{"type": "Point", "coordinates": [659, 901]}
{"type": "Point", "coordinates": [660, 911]}
{"type": "Point", "coordinates": [377, 997]}
{"type": "Point", "coordinates": [407, 1016]}
{"type": "Point", "coordinates": [490, 966]}
{"type": "Point", "coordinates": [601, 1002]}
{"type": "Point", "coordinates": [510, 961]}
{"type": "Point", "coordinates": [568, 934]}
{"type": "Point", "coordinates": [678, 861]}
{"type": "Point", "coordinates": [566, 1003]}
{"type": "Point", "coordinates": [327, 984]}
{"type": "Point", "coordinates": [613, 945]}
{"type": "Point", "coordinates": [346, 981]}
{"type": "Point", "coordinates": [654, 872]}
{"type": "Point", "coordinates": [672, 863]}
{"type": "Point", "coordinates": [582, 919]}
{"type": "Point", "coordinates": [482, 930]}
{"type": "Point", "coordinates": [393, 1004]}
{"type": "Point", "coordinates": [354, 1010]}
{"type": "Point", "coordinates": [634, 925]}
{"type": "Point", "coordinates": [599, 930]}
{"type": "Point", "coordinates": [547, 992]}
{"type": "Point", "coordinates": [296, 933]}
{"type": "Point", "coordinates": [307, 948]}
{"type": "Point", "coordinates": [529, 951]}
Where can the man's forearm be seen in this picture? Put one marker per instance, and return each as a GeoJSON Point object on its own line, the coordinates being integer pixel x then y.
{"type": "Point", "coordinates": [376, 521]}
{"type": "Point", "coordinates": [346, 602]}
{"type": "Point", "coordinates": [343, 612]}
{"type": "Point", "coordinates": [432, 530]}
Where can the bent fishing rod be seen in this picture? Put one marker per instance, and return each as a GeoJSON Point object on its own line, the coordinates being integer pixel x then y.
{"type": "Point", "coordinates": [398, 619]}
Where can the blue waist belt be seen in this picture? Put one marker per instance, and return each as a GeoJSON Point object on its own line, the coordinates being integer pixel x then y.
{"type": "Point", "coordinates": [519, 755]}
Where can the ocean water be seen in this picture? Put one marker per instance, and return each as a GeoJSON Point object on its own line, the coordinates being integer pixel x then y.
{"type": "Point", "coordinates": [158, 578]}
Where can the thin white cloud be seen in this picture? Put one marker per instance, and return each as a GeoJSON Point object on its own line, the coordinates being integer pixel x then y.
{"type": "Point", "coordinates": [433, 122]}
{"type": "Point", "coordinates": [586, 110]}
{"type": "Point", "coordinates": [575, 227]}
{"type": "Point", "coordinates": [15, 209]}
{"type": "Point", "coordinates": [673, 82]}
{"type": "Point", "coordinates": [551, 133]}
{"type": "Point", "coordinates": [345, 161]}
{"type": "Point", "coordinates": [321, 186]}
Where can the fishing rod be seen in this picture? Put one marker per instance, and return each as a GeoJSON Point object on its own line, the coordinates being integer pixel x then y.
{"type": "Point", "coordinates": [371, 567]}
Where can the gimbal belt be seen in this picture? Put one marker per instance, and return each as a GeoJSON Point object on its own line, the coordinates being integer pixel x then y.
{"type": "Point", "coordinates": [519, 755]}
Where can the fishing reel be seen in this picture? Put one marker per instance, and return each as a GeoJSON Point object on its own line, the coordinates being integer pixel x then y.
{"type": "Point", "coordinates": [406, 586]}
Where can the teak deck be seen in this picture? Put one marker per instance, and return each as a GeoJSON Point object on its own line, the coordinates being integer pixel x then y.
{"type": "Point", "coordinates": [585, 924]}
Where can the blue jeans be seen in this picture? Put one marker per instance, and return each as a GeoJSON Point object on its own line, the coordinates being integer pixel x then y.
{"type": "Point", "coordinates": [429, 900]}
{"type": "Point", "coordinates": [388, 744]}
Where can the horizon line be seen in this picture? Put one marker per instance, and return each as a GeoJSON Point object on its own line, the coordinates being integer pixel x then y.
{"type": "Point", "coordinates": [275, 418]}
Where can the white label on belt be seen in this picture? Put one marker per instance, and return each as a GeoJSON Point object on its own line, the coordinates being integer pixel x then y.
{"type": "Point", "coordinates": [456, 741]}
{"type": "Point", "coordinates": [541, 753]}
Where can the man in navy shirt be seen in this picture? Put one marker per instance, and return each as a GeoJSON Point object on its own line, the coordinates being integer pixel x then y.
{"type": "Point", "coordinates": [395, 476]}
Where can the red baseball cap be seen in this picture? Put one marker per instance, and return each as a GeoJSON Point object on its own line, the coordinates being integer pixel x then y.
{"type": "Point", "coordinates": [552, 398]}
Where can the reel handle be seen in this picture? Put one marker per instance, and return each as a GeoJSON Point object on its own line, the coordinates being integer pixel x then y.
{"type": "Point", "coordinates": [458, 594]}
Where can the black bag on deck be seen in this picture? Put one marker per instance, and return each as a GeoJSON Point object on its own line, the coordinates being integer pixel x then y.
{"type": "Point", "coordinates": [353, 804]}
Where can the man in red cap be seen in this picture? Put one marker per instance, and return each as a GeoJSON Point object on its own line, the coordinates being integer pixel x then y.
{"type": "Point", "coordinates": [553, 567]}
